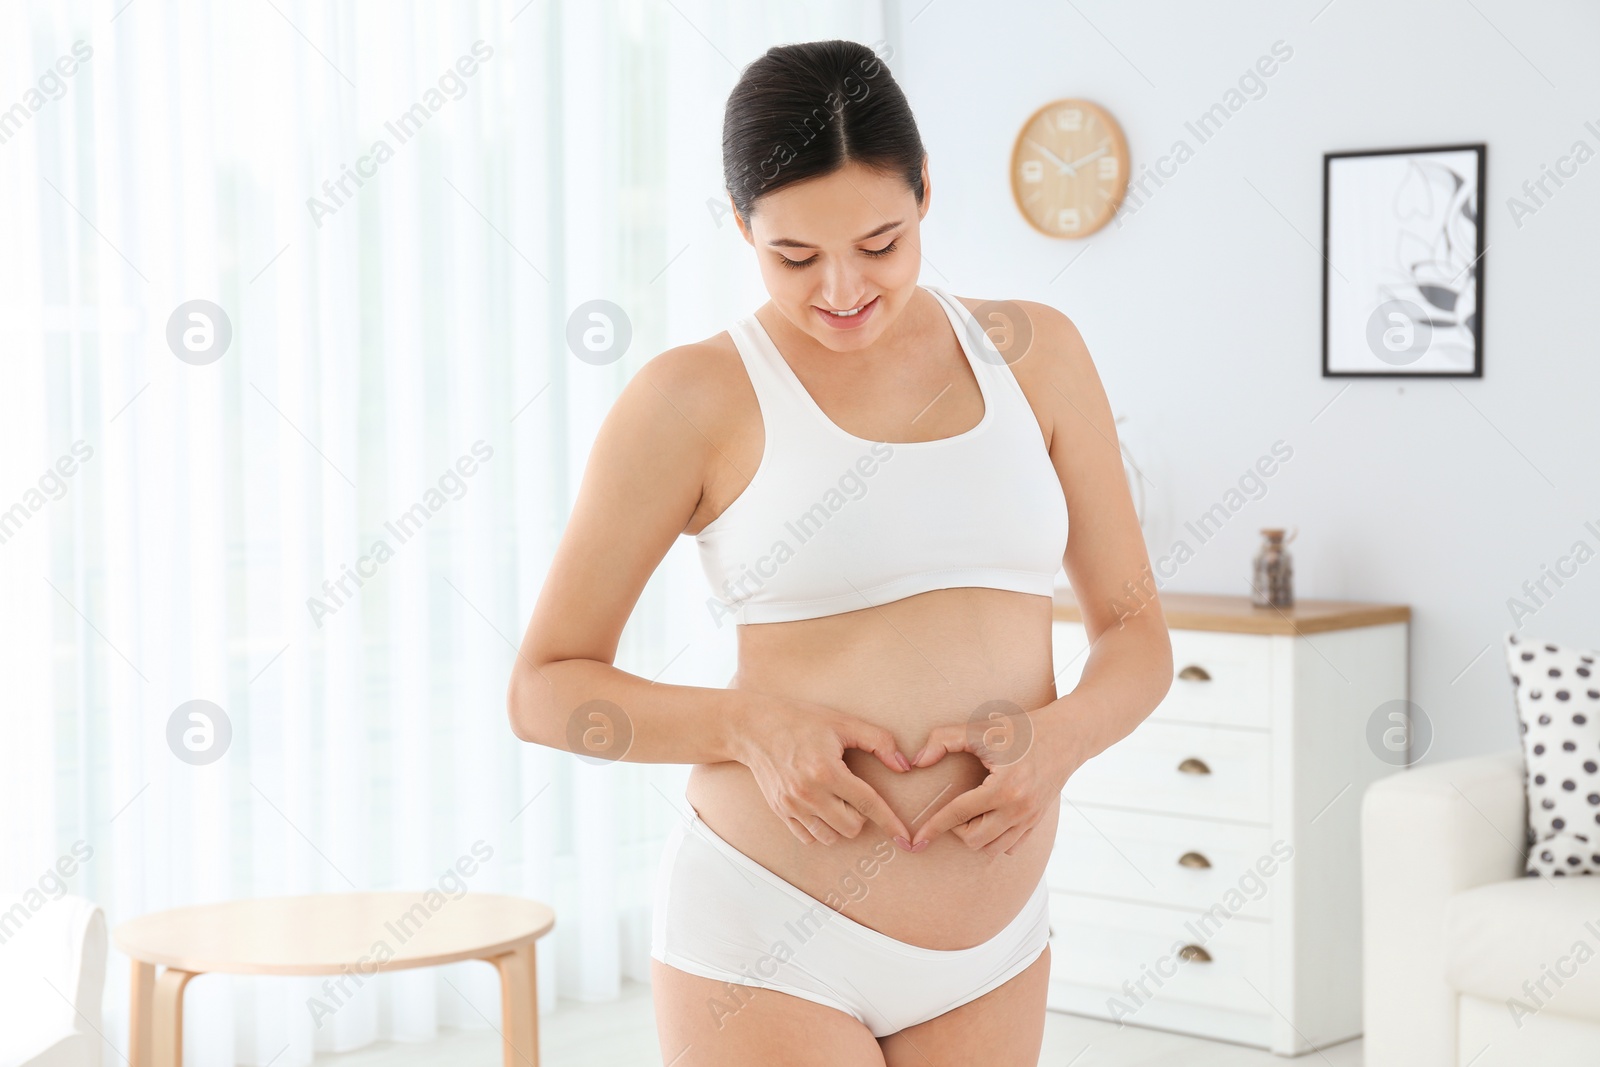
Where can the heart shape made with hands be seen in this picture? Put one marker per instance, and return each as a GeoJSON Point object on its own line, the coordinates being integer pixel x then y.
{"type": "Point", "coordinates": [998, 735]}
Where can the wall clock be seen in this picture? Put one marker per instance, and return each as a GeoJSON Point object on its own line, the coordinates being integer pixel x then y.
{"type": "Point", "coordinates": [1069, 168]}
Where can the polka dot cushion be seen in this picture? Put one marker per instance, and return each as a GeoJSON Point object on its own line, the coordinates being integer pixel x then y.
{"type": "Point", "coordinates": [1558, 701]}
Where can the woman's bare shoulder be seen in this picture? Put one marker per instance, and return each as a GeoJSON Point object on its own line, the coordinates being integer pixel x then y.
{"type": "Point", "coordinates": [692, 399]}
{"type": "Point", "coordinates": [1039, 327]}
{"type": "Point", "coordinates": [1040, 344]}
{"type": "Point", "coordinates": [695, 365]}
{"type": "Point", "coordinates": [703, 381]}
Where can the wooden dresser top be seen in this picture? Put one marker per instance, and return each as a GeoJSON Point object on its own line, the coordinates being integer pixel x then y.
{"type": "Point", "coordinates": [1235, 614]}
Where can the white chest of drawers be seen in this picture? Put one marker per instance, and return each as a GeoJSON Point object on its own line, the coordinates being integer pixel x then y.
{"type": "Point", "coordinates": [1206, 874]}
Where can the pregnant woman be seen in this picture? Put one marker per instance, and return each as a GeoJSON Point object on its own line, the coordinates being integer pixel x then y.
{"type": "Point", "coordinates": [880, 497]}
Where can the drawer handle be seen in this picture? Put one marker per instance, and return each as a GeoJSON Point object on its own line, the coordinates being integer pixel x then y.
{"type": "Point", "coordinates": [1194, 766]}
{"type": "Point", "coordinates": [1194, 673]}
{"type": "Point", "coordinates": [1193, 859]}
{"type": "Point", "coordinates": [1195, 953]}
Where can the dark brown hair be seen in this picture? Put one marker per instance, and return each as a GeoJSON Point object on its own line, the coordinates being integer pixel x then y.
{"type": "Point", "coordinates": [805, 110]}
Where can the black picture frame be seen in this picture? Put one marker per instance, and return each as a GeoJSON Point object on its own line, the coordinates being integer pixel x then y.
{"type": "Point", "coordinates": [1420, 251]}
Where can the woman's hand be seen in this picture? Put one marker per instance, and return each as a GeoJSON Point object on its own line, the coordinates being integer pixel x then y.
{"type": "Point", "coordinates": [1025, 778]}
{"type": "Point", "coordinates": [795, 749]}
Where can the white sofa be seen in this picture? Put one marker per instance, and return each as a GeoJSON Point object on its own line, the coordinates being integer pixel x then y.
{"type": "Point", "coordinates": [1468, 961]}
{"type": "Point", "coordinates": [52, 978]}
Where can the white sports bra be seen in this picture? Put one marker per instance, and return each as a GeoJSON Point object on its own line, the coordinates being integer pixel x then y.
{"type": "Point", "coordinates": [831, 522]}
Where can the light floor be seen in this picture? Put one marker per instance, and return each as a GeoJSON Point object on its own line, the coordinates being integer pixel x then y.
{"type": "Point", "coordinates": [623, 1034]}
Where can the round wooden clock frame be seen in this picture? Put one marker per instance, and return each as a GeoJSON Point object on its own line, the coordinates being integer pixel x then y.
{"type": "Point", "coordinates": [1067, 197]}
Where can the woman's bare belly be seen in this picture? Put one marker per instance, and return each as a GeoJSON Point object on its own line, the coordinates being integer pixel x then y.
{"type": "Point", "coordinates": [908, 666]}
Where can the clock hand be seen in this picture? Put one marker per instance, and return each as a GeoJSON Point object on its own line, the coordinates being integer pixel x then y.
{"type": "Point", "coordinates": [1062, 166]}
{"type": "Point", "coordinates": [1072, 168]}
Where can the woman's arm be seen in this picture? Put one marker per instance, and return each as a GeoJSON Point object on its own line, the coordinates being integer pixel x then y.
{"type": "Point", "coordinates": [641, 485]}
{"type": "Point", "coordinates": [1129, 668]}
{"type": "Point", "coordinates": [641, 488]}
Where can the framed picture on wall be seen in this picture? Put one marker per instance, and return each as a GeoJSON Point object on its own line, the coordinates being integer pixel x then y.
{"type": "Point", "coordinates": [1402, 262]}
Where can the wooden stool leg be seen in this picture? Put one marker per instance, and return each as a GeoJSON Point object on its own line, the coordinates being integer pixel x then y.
{"type": "Point", "coordinates": [166, 1030]}
{"type": "Point", "coordinates": [140, 1009]}
{"type": "Point", "coordinates": [519, 1007]}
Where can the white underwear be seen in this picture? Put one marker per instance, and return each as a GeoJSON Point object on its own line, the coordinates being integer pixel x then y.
{"type": "Point", "coordinates": [721, 915]}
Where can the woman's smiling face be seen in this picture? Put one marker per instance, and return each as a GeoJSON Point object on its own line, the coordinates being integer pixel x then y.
{"type": "Point", "coordinates": [845, 241]}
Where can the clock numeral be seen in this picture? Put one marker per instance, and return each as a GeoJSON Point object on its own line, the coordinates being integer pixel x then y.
{"type": "Point", "coordinates": [1067, 220]}
{"type": "Point", "coordinates": [1032, 170]}
{"type": "Point", "coordinates": [1069, 118]}
{"type": "Point", "coordinates": [1108, 166]}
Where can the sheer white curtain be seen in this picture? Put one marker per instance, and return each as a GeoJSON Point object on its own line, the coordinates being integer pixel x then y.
{"type": "Point", "coordinates": [333, 529]}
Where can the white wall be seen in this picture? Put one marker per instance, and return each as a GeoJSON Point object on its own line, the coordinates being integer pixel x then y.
{"type": "Point", "coordinates": [1203, 309]}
